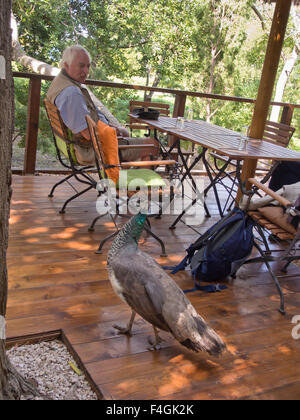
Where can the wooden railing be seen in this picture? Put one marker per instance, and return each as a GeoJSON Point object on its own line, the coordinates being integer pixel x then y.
{"type": "Point", "coordinates": [34, 98]}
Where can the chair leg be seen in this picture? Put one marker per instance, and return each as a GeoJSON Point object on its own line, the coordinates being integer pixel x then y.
{"type": "Point", "coordinates": [59, 183]}
{"type": "Point", "coordinates": [99, 250]}
{"type": "Point", "coordinates": [285, 268]}
{"type": "Point", "coordinates": [287, 255]}
{"type": "Point", "coordinates": [275, 279]}
{"type": "Point", "coordinates": [92, 226]}
{"type": "Point", "coordinates": [163, 248]}
{"type": "Point", "coordinates": [261, 233]}
{"type": "Point", "coordinates": [62, 211]}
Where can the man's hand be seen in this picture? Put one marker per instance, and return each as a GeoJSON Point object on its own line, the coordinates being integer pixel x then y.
{"type": "Point", "coordinates": [86, 134]}
{"type": "Point", "coordinates": [122, 132]}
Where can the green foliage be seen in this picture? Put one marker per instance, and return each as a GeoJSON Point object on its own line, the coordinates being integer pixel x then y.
{"type": "Point", "coordinates": [21, 99]}
{"type": "Point", "coordinates": [202, 45]}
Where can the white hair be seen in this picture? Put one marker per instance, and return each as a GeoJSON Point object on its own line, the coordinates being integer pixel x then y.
{"type": "Point", "coordinates": [69, 54]}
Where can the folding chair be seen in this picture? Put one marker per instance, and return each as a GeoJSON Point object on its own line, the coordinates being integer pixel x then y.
{"type": "Point", "coordinates": [164, 110]}
{"type": "Point", "coordinates": [150, 179]}
{"type": "Point", "coordinates": [276, 133]}
{"type": "Point", "coordinates": [66, 155]}
{"type": "Point", "coordinates": [282, 231]}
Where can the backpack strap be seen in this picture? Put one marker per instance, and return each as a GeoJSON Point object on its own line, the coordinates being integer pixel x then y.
{"type": "Point", "coordinates": [227, 220]}
{"type": "Point", "coordinates": [179, 267]}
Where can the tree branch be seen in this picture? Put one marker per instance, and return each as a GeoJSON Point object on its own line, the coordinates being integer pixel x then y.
{"type": "Point", "coordinates": [259, 15]}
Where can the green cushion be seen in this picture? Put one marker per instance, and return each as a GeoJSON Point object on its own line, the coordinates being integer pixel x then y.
{"type": "Point", "coordinates": [139, 178]}
{"type": "Point", "coordinates": [61, 144]}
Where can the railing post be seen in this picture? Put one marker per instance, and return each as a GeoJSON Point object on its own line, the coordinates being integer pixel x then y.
{"type": "Point", "coordinates": [32, 126]}
{"type": "Point", "coordinates": [179, 107]}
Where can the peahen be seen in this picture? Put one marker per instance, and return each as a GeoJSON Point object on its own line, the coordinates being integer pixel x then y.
{"type": "Point", "coordinates": [141, 283]}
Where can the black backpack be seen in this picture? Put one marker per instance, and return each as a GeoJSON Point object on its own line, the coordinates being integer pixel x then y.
{"type": "Point", "coordinates": [220, 251]}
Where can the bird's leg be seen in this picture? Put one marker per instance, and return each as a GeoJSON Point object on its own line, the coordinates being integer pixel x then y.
{"type": "Point", "coordinates": [155, 343]}
{"type": "Point", "coordinates": [126, 330]}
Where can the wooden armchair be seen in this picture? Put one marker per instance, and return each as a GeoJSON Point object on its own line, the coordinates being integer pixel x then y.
{"type": "Point", "coordinates": [149, 179]}
{"type": "Point", "coordinates": [66, 155]}
{"type": "Point", "coordinates": [272, 223]}
{"type": "Point", "coordinates": [164, 110]}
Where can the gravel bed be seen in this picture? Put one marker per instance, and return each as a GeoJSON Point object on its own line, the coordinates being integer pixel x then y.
{"type": "Point", "coordinates": [48, 364]}
{"type": "Point", "coordinates": [43, 160]}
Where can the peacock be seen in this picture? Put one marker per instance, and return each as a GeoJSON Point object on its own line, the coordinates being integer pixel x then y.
{"type": "Point", "coordinates": [145, 286]}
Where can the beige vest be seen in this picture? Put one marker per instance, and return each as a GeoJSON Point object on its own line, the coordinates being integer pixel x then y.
{"type": "Point", "coordinates": [83, 149]}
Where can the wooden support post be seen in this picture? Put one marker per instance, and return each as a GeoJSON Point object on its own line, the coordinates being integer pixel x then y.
{"type": "Point", "coordinates": [32, 127]}
{"type": "Point", "coordinates": [261, 109]}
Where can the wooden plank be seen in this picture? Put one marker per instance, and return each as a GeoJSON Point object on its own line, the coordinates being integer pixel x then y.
{"type": "Point", "coordinates": [32, 338]}
{"type": "Point", "coordinates": [149, 88]}
{"type": "Point", "coordinates": [59, 283]}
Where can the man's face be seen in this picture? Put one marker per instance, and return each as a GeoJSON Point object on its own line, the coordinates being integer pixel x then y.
{"type": "Point", "coordinates": [79, 68]}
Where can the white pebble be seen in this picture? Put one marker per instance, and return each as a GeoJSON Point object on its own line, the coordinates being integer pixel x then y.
{"type": "Point", "coordinates": [48, 364]}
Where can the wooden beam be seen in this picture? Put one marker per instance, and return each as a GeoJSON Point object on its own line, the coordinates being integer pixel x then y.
{"type": "Point", "coordinates": [32, 127]}
{"type": "Point", "coordinates": [270, 67]}
{"type": "Point", "coordinates": [157, 89]}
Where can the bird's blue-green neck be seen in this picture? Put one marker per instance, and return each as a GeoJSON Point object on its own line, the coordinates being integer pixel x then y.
{"type": "Point", "coordinates": [136, 226]}
{"type": "Point", "coordinates": [129, 234]}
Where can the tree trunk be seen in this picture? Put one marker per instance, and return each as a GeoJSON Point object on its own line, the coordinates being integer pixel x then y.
{"type": "Point", "coordinates": [12, 385]}
{"type": "Point", "coordinates": [283, 78]}
{"type": "Point", "coordinates": [6, 124]}
{"type": "Point", "coordinates": [148, 95]}
{"type": "Point", "coordinates": [211, 81]}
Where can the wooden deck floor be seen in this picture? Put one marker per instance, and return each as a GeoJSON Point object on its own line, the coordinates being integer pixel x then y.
{"type": "Point", "coordinates": [57, 282]}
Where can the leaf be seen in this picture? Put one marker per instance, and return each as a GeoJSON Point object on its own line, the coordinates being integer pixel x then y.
{"type": "Point", "coordinates": [75, 368]}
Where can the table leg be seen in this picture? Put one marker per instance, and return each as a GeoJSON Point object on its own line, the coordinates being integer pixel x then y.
{"type": "Point", "coordinates": [188, 174]}
{"type": "Point", "coordinates": [248, 171]}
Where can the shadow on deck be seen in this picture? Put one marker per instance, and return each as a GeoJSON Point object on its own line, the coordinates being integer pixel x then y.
{"type": "Point", "coordinates": [57, 282]}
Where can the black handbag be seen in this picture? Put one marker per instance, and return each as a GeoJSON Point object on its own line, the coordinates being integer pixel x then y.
{"type": "Point", "coordinates": [148, 114]}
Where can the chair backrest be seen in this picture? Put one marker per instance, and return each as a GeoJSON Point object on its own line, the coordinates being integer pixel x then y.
{"type": "Point", "coordinates": [164, 110]}
{"type": "Point", "coordinates": [57, 125]}
{"type": "Point", "coordinates": [95, 140]}
{"type": "Point", "coordinates": [278, 133]}
{"type": "Point", "coordinates": [105, 144]}
{"type": "Point", "coordinates": [60, 132]}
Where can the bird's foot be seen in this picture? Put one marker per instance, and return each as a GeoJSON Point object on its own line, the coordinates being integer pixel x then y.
{"type": "Point", "coordinates": [155, 343]}
{"type": "Point", "coordinates": [123, 330]}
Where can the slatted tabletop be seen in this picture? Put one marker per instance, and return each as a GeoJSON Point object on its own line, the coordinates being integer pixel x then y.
{"type": "Point", "coordinates": [222, 140]}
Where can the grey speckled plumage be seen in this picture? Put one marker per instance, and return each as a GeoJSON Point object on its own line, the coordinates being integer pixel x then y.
{"type": "Point", "coordinates": [140, 282]}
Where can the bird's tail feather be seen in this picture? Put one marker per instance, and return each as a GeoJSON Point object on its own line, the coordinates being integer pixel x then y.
{"type": "Point", "coordinates": [204, 339]}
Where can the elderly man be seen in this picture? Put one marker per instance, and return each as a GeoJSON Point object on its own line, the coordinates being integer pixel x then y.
{"type": "Point", "coordinates": [74, 102]}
